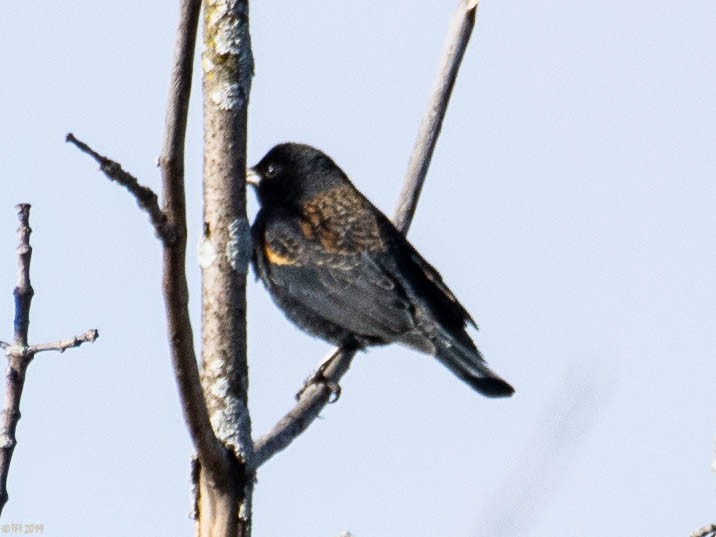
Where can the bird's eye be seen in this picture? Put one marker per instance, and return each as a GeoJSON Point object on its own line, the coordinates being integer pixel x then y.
{"type": "Point", "coordinates": [271, 171]}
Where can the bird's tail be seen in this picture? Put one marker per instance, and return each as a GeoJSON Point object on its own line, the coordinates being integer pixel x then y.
{"type": "Point", "coordinates": [468, 364]}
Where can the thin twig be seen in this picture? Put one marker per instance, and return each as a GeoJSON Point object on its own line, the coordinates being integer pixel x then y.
{"type": "Point", "coordinates": [145, 196]}
{"type": "Point", "coordinates": [61, 346]}
{"type": "Point", "coordinates": [318, 391]}
{"type": "Point", "coordinates": [706, 531]}
{"type": "Point", "coordinates": [315, 396]}
{"type": "Point", "coordinates": [456, 43]}
{"type": "Point", "coordinates": [211, 453]}
{"type": "Point", "coordinates": [23, 291]}
{"type": "Point", "coordinates": [19, 354]}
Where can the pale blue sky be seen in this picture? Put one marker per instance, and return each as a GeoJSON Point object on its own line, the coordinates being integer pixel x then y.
{"type": "Point", "coordinates": [570, 206]}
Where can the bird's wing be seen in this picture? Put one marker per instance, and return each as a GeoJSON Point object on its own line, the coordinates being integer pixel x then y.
{"type": "Point", "coordinates": [342, 283]}
{"type": "Point", "coordinates": [422, 281]}
{"type": "Point", "coordinates": [444, 299]}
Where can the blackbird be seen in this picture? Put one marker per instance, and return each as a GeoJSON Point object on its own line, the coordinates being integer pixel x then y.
{"type": "Point", "coordinates": [340, 270]}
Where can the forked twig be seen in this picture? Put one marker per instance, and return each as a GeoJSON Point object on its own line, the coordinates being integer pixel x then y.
{"type": "Point", "coordinates": [170, 226]}
{"type": "Point", "coordinates": [145, 196]}
{"type": "Point", "coordinates": [19, 353]}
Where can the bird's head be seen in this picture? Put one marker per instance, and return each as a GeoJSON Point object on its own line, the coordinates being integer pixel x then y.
{"type": "Point", "coordinates": [290, 174]}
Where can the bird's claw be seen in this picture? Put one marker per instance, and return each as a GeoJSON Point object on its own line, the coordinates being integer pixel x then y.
{"type": "Point", "coordinates": [335, 392]}
{"type": "Point", "coordinates": [319, 377]}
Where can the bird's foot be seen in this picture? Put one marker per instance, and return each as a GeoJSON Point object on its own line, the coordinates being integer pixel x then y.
{"type": "Point", "coordinates": [319, 377]}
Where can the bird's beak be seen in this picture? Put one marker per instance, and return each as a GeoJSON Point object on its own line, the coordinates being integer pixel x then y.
{"type": "Point", "coordinates": [252, 177]}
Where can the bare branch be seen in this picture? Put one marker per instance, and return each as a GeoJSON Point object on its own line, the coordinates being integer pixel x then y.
{"type": "Point", "coordinates": [226, 243]}
{"type": "Point", "coordinates": [145, 196]}
{"type": "Point", "coordinates": [61, 346]}
{"type": "Point", "coordinates": [706, 531]}
{"type": "Point", "coordinates": [171, 160]}
{"type": "Point", "coordinates": [18, 360]}
{"type": "Point", "coordinates": [170, 226]}
{"type": "Point", "coordinates": [19, 354]}
{"type": "Point", "coordinates": [312, 399]}
{"type": "Point", "coordinates": [317, 392]}
{"type": "Point", "coordinates": [227, 63]}
{"type": "Point", "coordinates": [211, 453]}
{"type": "Point", "coordinates": [456, 43]}
{"type": "Point", "coordinates": [23, 291]}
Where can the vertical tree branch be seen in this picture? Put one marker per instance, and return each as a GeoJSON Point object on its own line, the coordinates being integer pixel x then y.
{"type": "Point", "coordinates": [318, 391]}
{"type": "Point", "coordinates": [14, 383]}
{"type": "Point", "coordinates": [224, 255]}
{"type": "Point", "coordinates": [23, 291]}
{"type": "Point", "coordinates": [176, 295]}
{"type": "Point", "coordinates": [226, 241]}
{"type": "Point", "coordinates": [17, 358]}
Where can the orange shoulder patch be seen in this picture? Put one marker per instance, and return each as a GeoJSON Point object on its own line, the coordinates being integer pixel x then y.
{"type": "Point", "coordinates": [276, 258]}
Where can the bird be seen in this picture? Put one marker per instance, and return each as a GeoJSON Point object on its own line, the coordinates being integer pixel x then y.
{"type": "Point", "coordinates": [340, 269]}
